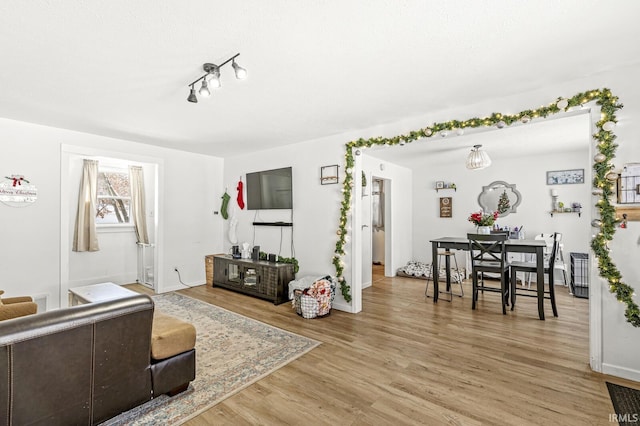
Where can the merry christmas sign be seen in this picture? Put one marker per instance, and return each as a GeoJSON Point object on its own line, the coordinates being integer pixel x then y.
{"type": "Point", "coordinates": [17, 191]}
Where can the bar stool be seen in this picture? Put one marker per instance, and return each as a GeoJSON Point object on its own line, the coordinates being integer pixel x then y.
{"type": "Point", "coordinates": [446, 256]}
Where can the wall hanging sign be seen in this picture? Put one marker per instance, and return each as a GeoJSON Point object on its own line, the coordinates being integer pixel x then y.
{"type": "Point", "coordinates": [564, 177]}
{"type": "Point", "coordinates": [329, 175]}
{"type": "Point", "coordinates": [446, 204]}
{"type": "Point", "coordinates": [16, 191]}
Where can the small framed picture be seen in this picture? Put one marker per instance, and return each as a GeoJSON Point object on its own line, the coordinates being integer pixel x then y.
{"type": "Point", "coordinates": [439, 184]}
{"type": "Point", "coordinates": [565, 177]}
{"type": "Point", "coordinates": [446, 207]}
{"type": "Point", "coordinates": [329, 175]}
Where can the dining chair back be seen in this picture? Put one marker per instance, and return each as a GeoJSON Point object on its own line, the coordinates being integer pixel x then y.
{"type": "Point", "coordinates": [559, 263]}
{"type": "Point", "coordinates": [530, 268]}
{"type": "Point", "coordinates": [488, 255]}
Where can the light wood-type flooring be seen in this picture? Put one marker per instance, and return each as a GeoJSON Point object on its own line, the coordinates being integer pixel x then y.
{"type": "Point", "coordinates": [407, 361]}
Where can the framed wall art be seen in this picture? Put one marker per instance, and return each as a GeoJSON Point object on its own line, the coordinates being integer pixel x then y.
{"type": "Point", "coordinates": [446, 207]}
{"type": "Point", "coordinates": [329, 175]}
{"type": "Point", "coordinates": [565, 177]}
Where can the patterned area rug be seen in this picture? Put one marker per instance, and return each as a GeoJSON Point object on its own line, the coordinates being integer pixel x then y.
{"type": "Point", "coordinates": [626, 402]}
{"type": "Point", "coordinates": [232, 352]}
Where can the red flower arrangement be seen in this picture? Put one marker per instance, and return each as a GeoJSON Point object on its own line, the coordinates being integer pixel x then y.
{"type": "Point", "coordinates": [483, 219]}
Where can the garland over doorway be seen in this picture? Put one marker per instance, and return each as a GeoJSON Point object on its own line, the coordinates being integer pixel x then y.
{"type": "Point", "coordinates": [603, 180]}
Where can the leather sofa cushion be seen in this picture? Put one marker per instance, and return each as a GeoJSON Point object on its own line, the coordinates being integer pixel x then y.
{"type": "Point", "coordinates": [170, 336]}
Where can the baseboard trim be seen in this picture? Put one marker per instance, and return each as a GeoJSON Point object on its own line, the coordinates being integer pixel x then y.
{"type": "Point", "coordinates": [617, 371]}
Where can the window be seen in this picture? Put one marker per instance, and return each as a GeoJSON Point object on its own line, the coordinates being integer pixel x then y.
{"type": "Point", "coordinates": [114, 197]}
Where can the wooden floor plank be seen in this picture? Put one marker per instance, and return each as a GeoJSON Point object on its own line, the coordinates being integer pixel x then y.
{"type": "Point", "coordinates": [406, 360]}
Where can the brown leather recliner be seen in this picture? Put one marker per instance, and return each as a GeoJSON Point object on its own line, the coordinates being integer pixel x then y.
{"type": "Point", "coordinates": [14, 307]}
{"type": "Point", "coordinates": [84, 364]}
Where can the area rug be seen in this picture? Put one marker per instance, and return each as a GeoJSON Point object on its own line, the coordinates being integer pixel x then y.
{"type": "Point", "coordinates": [232, 352]}
{"type": "Point", "coordinates": [626, 402]}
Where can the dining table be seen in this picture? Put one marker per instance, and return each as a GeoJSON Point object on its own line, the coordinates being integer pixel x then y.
{"type": "Point", "coordinates": [511, 245]}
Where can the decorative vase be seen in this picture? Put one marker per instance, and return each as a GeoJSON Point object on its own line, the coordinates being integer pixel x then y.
{"type": "Point", "coordinates": [484, 230]}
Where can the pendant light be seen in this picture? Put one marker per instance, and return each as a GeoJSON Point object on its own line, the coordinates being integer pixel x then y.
{"type": "Point", "coordinates": [478, 159]}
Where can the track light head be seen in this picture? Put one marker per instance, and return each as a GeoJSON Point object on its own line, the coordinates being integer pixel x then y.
{"type": "Point", "coordinates": [192, 95]}
{"type": "Point", "coordinates": [241, 73]}
{"type": "Point", "coordinates": [204, 90]}
{"type": "Point", "coordinates": [213, 77]}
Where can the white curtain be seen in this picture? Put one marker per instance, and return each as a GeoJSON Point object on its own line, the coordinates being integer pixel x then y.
{"type": "Point", "coordinates": [85, 237]}
{"type": "Point", "coordinates": [137, 203]}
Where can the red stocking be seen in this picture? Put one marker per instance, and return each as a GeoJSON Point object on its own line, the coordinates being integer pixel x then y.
{"type": "Point", "coordinates": [240, 197]}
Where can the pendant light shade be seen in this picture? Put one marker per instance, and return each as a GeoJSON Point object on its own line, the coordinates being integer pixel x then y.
{"type": "Point", "coordinates": [478, 159]}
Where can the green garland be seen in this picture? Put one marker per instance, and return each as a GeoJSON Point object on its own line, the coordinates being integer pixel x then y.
{"type": "Point", "coordinates": [264, 256]}
{"type": "Point", "coordinates": [603, 180]}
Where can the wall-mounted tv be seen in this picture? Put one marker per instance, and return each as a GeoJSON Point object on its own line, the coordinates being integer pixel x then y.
{"type": "Point", "coordinates": [270, 189]}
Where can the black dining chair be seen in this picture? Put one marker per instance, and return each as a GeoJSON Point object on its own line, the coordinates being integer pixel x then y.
{"type": "Point", "coordinates": [489, 255]}
{"type": "Point", "coordinates": [530, 267]}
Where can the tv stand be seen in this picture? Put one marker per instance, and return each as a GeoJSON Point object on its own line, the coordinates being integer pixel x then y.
{"type": "Point", "coordinates": [266, 280]}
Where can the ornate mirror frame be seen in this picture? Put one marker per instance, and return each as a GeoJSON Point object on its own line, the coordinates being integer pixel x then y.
{"type": "Point", "coordinates": [489, 200]}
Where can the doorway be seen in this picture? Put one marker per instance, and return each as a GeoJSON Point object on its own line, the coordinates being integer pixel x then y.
{"type": "Point", "coordinates": [377, 228]}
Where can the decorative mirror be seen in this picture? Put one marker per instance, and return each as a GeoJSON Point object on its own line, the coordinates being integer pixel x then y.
{"type": "Point", "coordinates": [500, 196]}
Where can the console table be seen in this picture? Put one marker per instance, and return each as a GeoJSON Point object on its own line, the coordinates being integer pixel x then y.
{"type": "Point", "coordinates": [266, 280]}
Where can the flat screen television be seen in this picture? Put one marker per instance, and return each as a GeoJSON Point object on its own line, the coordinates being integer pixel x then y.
{"type": "Point", "coordinates": [270, 189]}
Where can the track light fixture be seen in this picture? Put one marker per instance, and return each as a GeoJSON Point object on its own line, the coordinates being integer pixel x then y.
{"type": "Point", "coordinates": [211, 80]}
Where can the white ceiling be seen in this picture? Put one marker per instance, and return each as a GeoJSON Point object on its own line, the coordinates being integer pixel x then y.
{"type": "Point", "coordinates": [317, 68]}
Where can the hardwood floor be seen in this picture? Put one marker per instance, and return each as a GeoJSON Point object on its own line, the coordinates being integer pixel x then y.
{"type": "Point", "coordinates": [406, 360]}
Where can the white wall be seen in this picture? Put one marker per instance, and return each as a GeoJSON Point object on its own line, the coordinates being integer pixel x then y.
{"type": "Point", "coordinates": [314, 214]}
{"type": "Point", "coordinates": [532, 214]}
{"type": "Point", "coordinates": [31, 236]}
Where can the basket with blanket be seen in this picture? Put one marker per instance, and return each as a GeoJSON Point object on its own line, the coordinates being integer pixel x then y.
{"type": "Point", "coordinates": [312, 297]}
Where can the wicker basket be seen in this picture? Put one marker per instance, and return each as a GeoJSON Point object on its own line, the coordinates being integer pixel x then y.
{"type": "Point", "coordinates": [308, 306]}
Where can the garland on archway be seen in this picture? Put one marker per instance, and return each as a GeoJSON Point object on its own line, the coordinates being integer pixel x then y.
{"type": "Point", "coordinates": [603, 180]}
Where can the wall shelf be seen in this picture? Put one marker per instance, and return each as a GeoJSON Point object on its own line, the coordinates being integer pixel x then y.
{"type": "Point", "coordinates": [272, 224]}
{"type": "Point", "coordinates": [579, 213]}
{"type": "Point", "coordinates": [444, 185]}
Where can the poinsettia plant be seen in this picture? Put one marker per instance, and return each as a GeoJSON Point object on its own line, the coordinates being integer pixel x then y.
{"type": "Point", "coordinates": [483, 219]}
